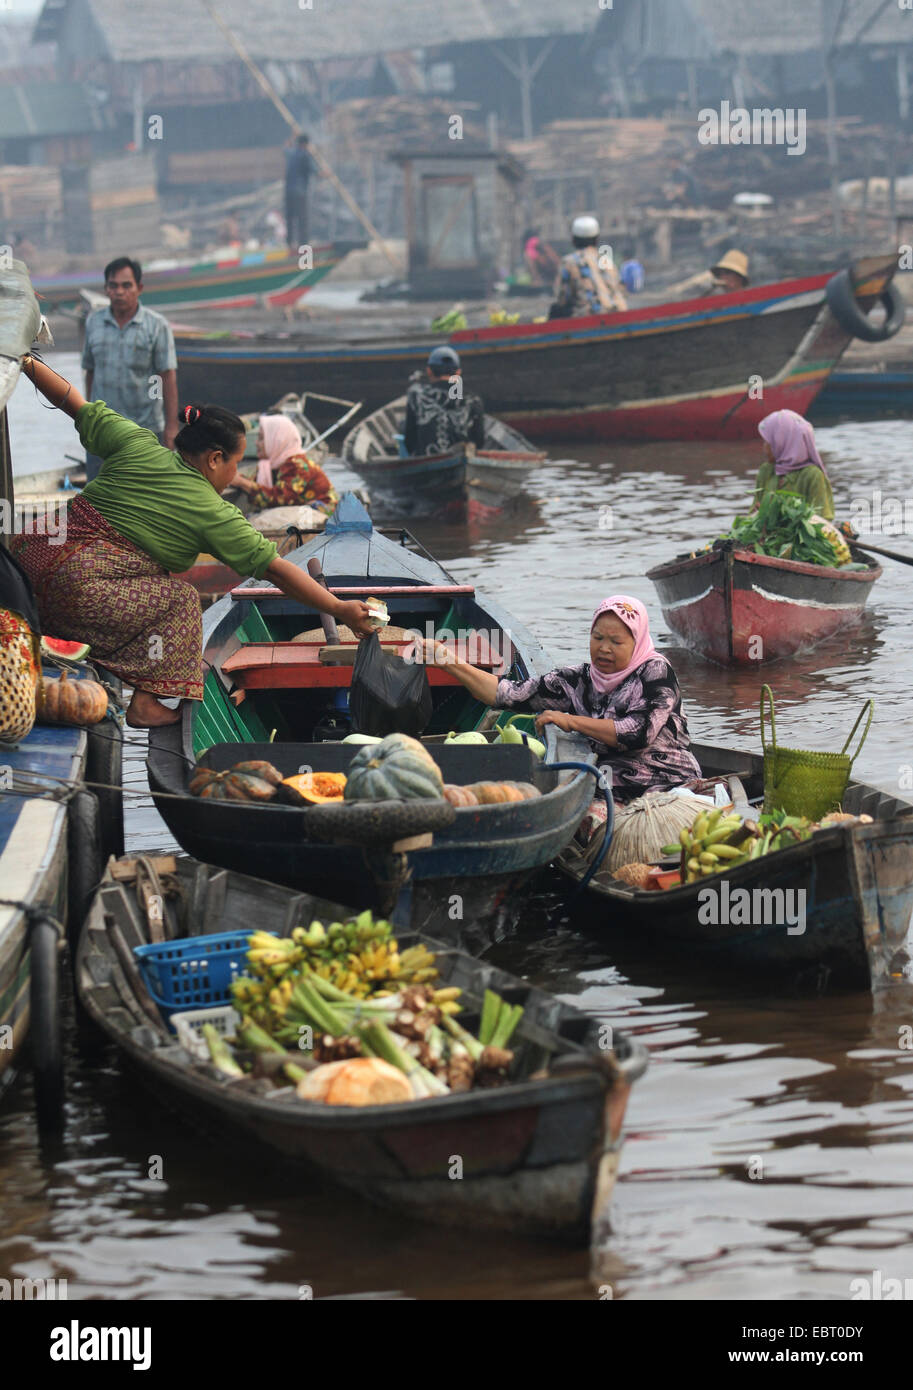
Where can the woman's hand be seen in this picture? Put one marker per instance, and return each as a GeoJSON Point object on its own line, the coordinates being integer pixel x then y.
{"type": "Point", "coordinates": [355, 614]}
{"type": "Point", "coordinates": [243, 482]}
{"type": "Point", "coordinates": [434, 653]}
{"type": "Point", "coordinates": [558, 718]}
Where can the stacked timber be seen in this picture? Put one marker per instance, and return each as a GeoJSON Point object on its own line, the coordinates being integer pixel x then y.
{"type": "Point", "coordinates": [110, 204]}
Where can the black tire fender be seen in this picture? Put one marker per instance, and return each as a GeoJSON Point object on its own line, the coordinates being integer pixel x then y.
{"type": "Point", "coordinates": [85, 861]}
{"type": "Point", "coordinates": [45, 1033]}
{"type": "Point", "coordinates": [376, 822]}
{"type": "Point", "coordinates": [104, 765]}
{"type": "Point", "coordinates": [844, 305]}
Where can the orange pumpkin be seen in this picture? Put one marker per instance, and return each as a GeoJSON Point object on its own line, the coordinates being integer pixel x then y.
{"type": "Point", "coordinates": [495, 793]}
{"type": "Point", "coordinates": [75, 702]}
{"type": "Point", "coordinates": [529, 791]}
{"type": "Point", "coordinates": [460, 796]}
{"type": "Point", "coordinates": [314, 788]}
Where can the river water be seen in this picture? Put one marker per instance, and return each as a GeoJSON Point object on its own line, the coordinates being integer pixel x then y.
{"type": "Point", "coordinates": [770, 1145]}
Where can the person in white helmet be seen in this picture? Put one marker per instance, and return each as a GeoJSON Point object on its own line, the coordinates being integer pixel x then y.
{"type": "Point", "coordinates": [583, 284]}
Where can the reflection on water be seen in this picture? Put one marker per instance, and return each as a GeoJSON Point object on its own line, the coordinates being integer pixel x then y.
{"type": "Point", "coordinates": [770, 1146]}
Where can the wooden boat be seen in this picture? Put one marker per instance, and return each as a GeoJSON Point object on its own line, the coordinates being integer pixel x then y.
{"type": "Point", "coordinates": [733, 606]}
{"type": "Point", "coordinates": [857, 880]}
{"type": "Point", "coordinates": [464, 484]}
{"type": "Point", "coordinates": [270, 279]}
{"type": "Point", "coordinates": [466, 881]}
{"type": "Point", "coordinates": [865, 395]}
{"type": "Point", "coordinates": [669, 371]}
{"type": "Point", "coordinates": [539, 1156]}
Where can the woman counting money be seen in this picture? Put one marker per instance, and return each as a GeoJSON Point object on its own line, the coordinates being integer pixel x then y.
{"type": "Point", "coordinates": [144, 519]}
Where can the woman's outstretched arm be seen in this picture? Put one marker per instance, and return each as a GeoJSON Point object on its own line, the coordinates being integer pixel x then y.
{"type": "Point", "coordinates": [60, 392]}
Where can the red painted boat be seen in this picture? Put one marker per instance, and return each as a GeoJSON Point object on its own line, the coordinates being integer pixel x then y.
{"type": "Point", "coordinates": [697, 369]}
{"type": "Point", "coordinates": [733, 606]}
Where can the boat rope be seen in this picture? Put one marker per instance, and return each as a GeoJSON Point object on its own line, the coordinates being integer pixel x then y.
{"type": "Point", "coordinates": [604, 783]}
{"type": "Point", "coordinates": [35, 913]}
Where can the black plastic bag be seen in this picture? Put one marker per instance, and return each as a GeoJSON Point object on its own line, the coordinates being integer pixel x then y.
{"type": "Point", "coordinates": [388, 695]}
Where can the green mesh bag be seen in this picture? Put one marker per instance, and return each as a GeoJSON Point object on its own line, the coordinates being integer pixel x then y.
{"type": "Point", "coordinates": [801, 782]}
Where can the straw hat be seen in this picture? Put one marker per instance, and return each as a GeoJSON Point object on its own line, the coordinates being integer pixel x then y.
{"type": "Point", "coordinates": [733, 260]}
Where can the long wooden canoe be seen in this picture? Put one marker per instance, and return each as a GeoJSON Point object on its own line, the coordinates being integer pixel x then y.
{"type": "Point", "coordinates": [539, 1156]}
{"type": "Point", "coordinates": [461, 484]}
{"type": "Point", "coordinates": [855, 882]}
{"type": "Point", "coordinates": [467, 881]}
{"type": "Point", "coordinates": [682, 370]}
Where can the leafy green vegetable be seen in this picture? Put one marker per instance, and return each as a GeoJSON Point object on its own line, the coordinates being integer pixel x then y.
{"type": "Point", "coordinates": [782, 527]}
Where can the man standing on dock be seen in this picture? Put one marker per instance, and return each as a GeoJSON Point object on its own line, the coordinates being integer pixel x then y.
{"type": "Point", "coordinates": [129, 358]}
{"type": "Point", "coordinates": [299, 166]}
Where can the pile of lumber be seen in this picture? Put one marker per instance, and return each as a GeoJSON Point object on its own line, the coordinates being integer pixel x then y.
{"type": "Point", "coordinates": [377, 127]}
{"type": "Point", "coordinates": [30, 199]}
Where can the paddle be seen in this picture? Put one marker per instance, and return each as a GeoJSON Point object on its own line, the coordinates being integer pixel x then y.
{"type": "Point", "coordinates": [880, 550]}
{"type": "Point", "coordinates": [331, 632]}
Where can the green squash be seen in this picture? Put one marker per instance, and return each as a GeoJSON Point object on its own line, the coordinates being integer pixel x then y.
{"type": "Point", "coordinates": [397, 769]}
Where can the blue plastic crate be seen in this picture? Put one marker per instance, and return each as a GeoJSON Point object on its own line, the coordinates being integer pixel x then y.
{"type": "Point", "coordinates": [195, 972]}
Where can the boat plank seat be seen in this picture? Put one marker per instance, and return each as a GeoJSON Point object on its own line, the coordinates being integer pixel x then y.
{"type": "Point", "coordinates": [305, 665]}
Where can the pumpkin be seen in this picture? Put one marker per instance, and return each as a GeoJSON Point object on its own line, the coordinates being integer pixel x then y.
{"type": "Point", "coordinates": [313, 788]}
{"type": "Point", "coordinates": [232, 785]}
{"type": "Point", "coordinates": [529, 791]}
{"type": "Point", "coordinates": [67, 701]}
{"type": "Point", "coordinates": [368, 1081]}
{"type": "Point", "coordinates": [495, 793]}
{"type": "Point", "coordinates": [257, 767]}
{"type": "Point", "coordinates": [460, 796]}
{"type": "Point", "coordinates": [397, 768]}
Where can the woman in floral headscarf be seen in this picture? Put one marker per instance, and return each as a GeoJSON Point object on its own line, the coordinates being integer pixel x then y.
{"type": "Point", "coordinates": [791, 460]}
{"type": "Point", "coordinates": [286, 477]}
{"type": "Point", "coordinates": [625, 700]}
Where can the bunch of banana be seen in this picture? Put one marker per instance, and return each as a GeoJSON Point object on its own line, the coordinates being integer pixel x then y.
{"type": "Point", "coordinates": [713, 843]}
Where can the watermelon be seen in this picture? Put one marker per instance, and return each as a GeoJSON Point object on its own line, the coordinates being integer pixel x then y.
{"type": "Point", "coordinates": [58, 649]}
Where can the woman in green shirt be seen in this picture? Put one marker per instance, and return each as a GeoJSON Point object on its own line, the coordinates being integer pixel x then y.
{"type": "Point", "coordinates": [108, 579]}
{"type": "Point", "coordinates": [791, 460]}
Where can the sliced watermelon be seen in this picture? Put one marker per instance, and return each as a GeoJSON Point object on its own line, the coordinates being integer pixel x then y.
{"type": "Point", "coordinates": [65, 651]}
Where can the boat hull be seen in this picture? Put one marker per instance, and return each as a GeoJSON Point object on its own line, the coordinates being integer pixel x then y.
{"type": "Point", "coordinates": [272, 279]}
{"type": "Point", "coordinates": [671, 371]}
{"type": "Point", "coordinates": [737, 608]}
{"type": "Point", "coordinates": [464, 887]}
{"type": "Point", "coordinates": [538, 1157]}
{"type": "Point", "coordinates": [462, 486]}
{"type": "Point", "coordinates": [846, 927]}
{"type": "Point", "coordinates": [865, 395]}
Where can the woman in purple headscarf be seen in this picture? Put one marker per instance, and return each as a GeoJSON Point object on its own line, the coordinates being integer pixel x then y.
{"type": "Point", "coordinates": [791, 460]}
{"type": "Point", "coordinates": [625, 700]}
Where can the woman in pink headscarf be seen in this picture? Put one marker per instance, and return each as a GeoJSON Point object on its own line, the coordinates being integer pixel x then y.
{"type": "Point", "coordinates": [285, 475]}
{"type": "Point", "coordinates": [791, 460]}
{"type": "Point", "coordinates": [625, 700]}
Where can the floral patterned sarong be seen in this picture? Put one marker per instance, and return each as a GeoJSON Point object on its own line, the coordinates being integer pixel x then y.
{"type": "Point", "coordinates": [141, 622]}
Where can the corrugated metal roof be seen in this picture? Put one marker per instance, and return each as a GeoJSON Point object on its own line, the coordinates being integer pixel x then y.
{"type": "Point", "coordinates": [135, 30]}
{"type": "Point", "coordinates": [695, 29]}
{"type": "Point", "coordinates": [33, 110]}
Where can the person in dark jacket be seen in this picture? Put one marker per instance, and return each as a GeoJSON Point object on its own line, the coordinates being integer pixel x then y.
{"type": "Point", "coordinates": [299, 166]}
{"type": "Point", "coordinates": [438, 412]}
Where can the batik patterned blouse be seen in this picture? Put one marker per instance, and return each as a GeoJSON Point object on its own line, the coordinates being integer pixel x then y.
{"type": "Point", "coordinates": [654, 750]}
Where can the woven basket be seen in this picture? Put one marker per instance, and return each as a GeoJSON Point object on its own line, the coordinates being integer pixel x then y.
{"type": "Point", "coordinates": [800, 781]}
{"type": "Point", "coordinates": [645, 825]}
{"type": "Point", "coordinates": [20, 672]}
